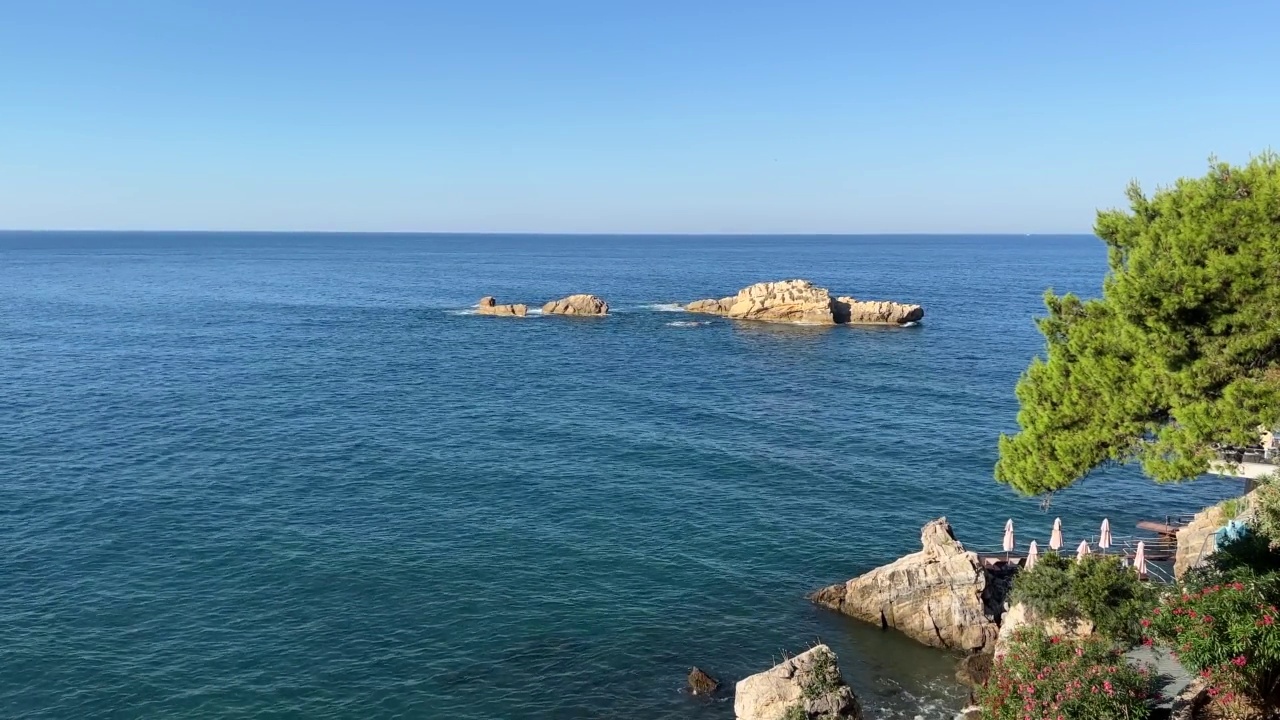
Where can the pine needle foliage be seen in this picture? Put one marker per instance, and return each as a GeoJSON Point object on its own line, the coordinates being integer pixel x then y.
{"type": "Point", "coordinates": [1180, 353]}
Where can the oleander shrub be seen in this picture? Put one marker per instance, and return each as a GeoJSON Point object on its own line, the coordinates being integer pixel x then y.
{"type": "Point", "coordinates": [1229, 633]}
{"type": "Point", "coordinates": [1097, 588]}
{"type": "Point", "coordinates": [1043, 677]}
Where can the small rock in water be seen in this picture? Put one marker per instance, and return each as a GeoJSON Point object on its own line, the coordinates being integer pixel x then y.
{"type": "Point", "coordinates": [700, 683]}
{"type": "Point", "coordinates": [581, 304]}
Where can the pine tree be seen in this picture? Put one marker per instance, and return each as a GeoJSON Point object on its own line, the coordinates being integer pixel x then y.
{"type": "Point", "coordinates": [1181, 352]}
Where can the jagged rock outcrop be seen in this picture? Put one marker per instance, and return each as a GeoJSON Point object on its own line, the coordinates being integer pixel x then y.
{"type": "Point", "coordinates": [809, 681]}
{"type": "Point", "coordinates": [1196, 538]}
{"type": "Point", "coordinates": [700, 683]}
{"type": "Point", "coordinates": [488, 305]}
{"type": "Point", "coordinates": [581, 304]}
{"type": "Point", "coordinates": [942, 596]}
{"type": "Point", "coordinates": [1020, 616]}
{"type": "Point", "coordinates": [876, 312]}
{"type": "Point", "coordinates": [800, 301]}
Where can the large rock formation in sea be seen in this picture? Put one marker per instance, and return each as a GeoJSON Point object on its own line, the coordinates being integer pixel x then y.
{"type": "Point", "coordinates": [809, 682]}
{"type": "Point", "coordinates": [800, 301]}
{"type": "Point", "coordinates": [942, 596]}
{"type": "Point", "coordinates": [580, 304]}
{"type": "Point", "coordinates": [488, 305]}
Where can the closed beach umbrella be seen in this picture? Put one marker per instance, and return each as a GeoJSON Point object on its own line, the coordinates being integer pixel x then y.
{"type": "Point", "coordinates": [1055, 540]}
{"type": "Point", "coordinates": [1033, 553]}
{"type": "Point", "coordinates": [1082, 550]}
{"type": "Point", "coordinates": [1104, 538]}
{"type": "Point", "coordinates": [1140, 559]}
{"type": "Point", "coordinates": [1008, 536]}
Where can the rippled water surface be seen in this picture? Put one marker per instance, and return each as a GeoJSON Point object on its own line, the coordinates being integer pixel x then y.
{"type": "Point", "coordinates": [289, 476]}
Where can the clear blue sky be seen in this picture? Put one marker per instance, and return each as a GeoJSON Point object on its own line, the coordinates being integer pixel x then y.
{"type": "Point", "coordinates": [613, 115]}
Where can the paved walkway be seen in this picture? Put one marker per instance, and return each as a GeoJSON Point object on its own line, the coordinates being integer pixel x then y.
{"type": "Point", "coordinates": [1176, 678]}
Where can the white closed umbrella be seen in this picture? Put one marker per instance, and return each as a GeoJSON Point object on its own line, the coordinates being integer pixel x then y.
{"type": "Point", "coordinates": [1008, 538]}
{"type": "Point", "coordinates": [1033, 554]}
{"type": "Point", "coordinates": [1082, 550]}
{"type": "Point", "coordinates": [1140, 560]}
{"type": "Point", "coordinates": [1104, 537]}
{"type": "Point", "coordinates": [1055, 540]}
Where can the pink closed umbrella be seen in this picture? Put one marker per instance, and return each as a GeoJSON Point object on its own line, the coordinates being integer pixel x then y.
{"type": "Point", "coordinates": [1033, 553]}
{"type": "Point", "coordinates": [1140, 560]}
{"type": "Point", "coordinates": [1082, 550]}
{"type": "Point", "coordinates": [1055, 540]}
{"type": "Point", "coordinates": [1008, 538]}
{"type": "Point", "coordinates": [1104, 538]}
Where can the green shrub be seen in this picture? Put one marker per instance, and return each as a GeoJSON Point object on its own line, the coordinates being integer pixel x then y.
{"type": "Point", "coordinates": [1267, 508]}
{"type": "Point", "coordinates": [1251, 558]}
{"type": "Point", "coordinates": [1229, 632]}
{"type": "Point", "coordinates": [1097, 588]}
{"type": "Point", "coordinates": [1048, 678]}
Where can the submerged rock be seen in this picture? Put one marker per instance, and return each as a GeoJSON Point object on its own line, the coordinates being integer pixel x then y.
{"type": "Point", "coordinates": [581, 304]}
{"type": "Point", "coordinates": [488, 305]}
{"type": "Point", "coordinates": [802, 302]}
{"type": "Point", "coordinates": [941, 596]}
{"type": "Point", "coordinates": [809, 684]}
{"type": "Point", "coordinates": [700, 683]}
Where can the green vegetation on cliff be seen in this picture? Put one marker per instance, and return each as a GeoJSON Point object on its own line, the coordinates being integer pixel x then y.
{"type": "Point", "coordinates": [1182, 350]}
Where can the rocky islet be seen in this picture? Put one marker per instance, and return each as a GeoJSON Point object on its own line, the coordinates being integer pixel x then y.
{"type": "Point", "coordinates": [797, 302]}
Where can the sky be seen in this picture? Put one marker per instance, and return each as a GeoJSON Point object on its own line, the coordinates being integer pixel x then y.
{"type": "Point", "coordinates": [698, 116]}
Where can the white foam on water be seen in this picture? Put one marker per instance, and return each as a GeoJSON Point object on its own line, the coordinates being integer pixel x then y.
{"type": "Point", "coordinates": [663, 307]}
{"type": "Point", "coordinates": [688, 323]}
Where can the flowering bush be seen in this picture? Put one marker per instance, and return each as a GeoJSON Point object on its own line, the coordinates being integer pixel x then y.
{"type": "Point", "coordinates": [1229, 632]}
{"type": "Point", "coordinates": [1048, 678]}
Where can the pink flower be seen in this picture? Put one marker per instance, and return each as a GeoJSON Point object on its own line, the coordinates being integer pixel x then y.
{"type": "Point", "coordinates": [1239, 661]}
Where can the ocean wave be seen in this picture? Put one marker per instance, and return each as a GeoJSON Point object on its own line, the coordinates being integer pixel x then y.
{"type": "Point", "coordinates": [663, 307]}
{"type": "Point", "coordinates": [688, 323]}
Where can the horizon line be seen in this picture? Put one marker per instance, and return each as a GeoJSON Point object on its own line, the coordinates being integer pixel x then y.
{"type": "Point", "coordinates": [539, 233]}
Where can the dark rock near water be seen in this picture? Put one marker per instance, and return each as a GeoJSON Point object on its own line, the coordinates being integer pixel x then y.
{"type": "Point", "coordinates": [974, 669]}
{"type": "Point", "coordinates": [700, 683]}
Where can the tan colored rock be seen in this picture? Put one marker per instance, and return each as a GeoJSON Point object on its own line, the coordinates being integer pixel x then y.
{"type": "Point", "coordinates": [710, 307]}
{"type": "Point", "coordinates": [876, 312]}
{"type": "Point", "coordinates": [1020, 616]}
{"type": "Point", "coordinates": [810, 681]}
{"type": "Point", "coordinates": [1193, 698]}
{"type": "Point", "coordinates": [700, 683]}
{"type": "Point", "coordinates": [488, 305]}
{"type": "Point", "coordinates": [1196, 538]}
{"type": "Point", "coordinates": [802, 302]}
{"type": "Point", "coordinates": [581, 304]}
{"type": "Point", "coordinates": [941, 596]}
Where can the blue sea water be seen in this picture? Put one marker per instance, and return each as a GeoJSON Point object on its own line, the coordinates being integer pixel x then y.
{"type": "Point", "coordinates": [288, 475]}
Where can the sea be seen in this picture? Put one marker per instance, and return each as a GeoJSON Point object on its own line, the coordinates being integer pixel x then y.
{"type": "Point", "coordinates": [295, 476]}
